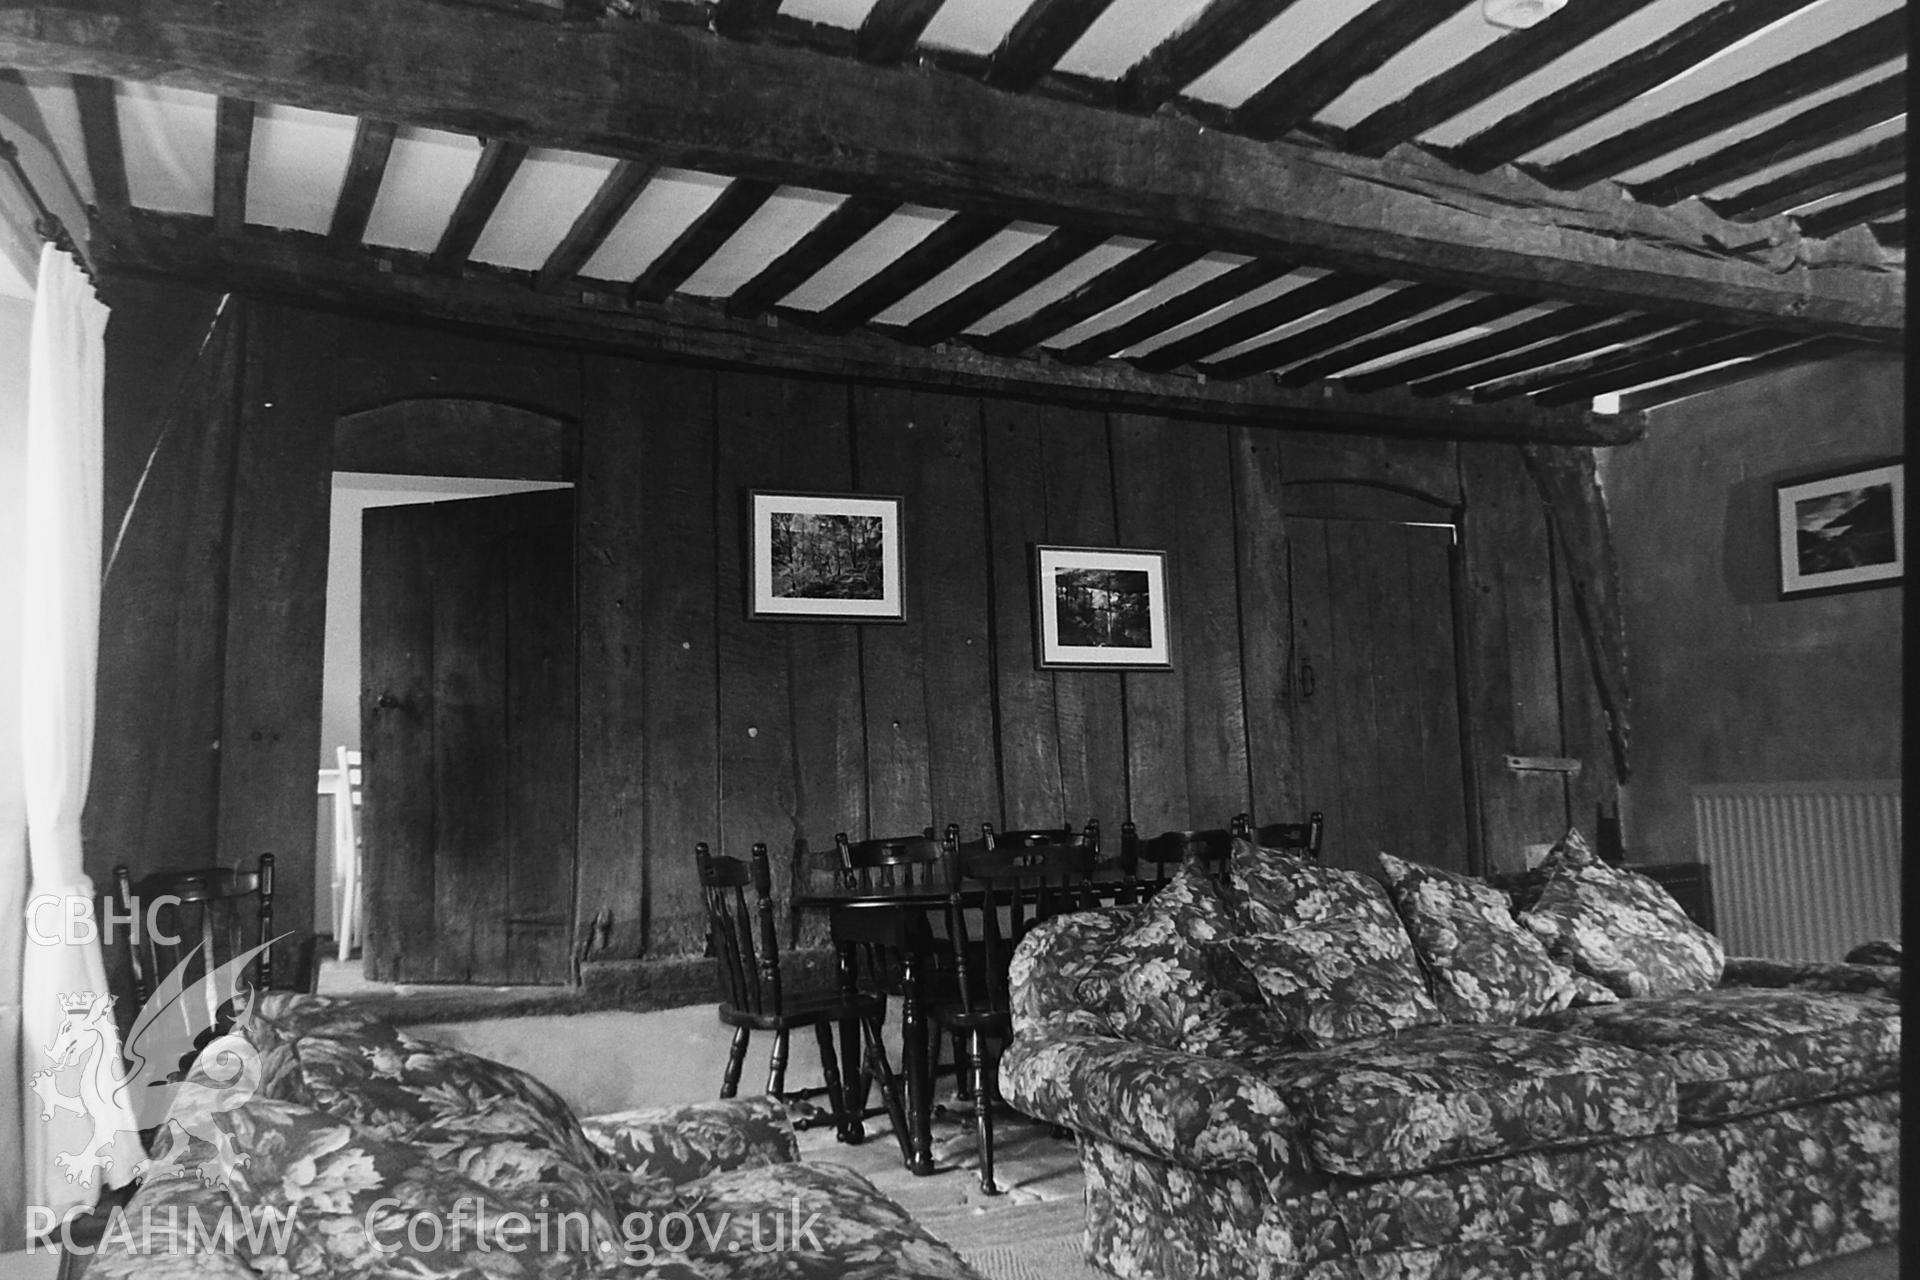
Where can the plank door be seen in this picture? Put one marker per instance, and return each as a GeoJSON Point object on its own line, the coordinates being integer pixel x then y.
{"type": "Point", "coordinates": [468, 713]}
{"type": "Point", "coordinates": [1373, 690]}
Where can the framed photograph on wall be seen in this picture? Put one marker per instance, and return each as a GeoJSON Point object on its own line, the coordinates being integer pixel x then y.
{"type": "Point", "coordinates": [824, 557]}
{"type": "Point", "coordinates": [1842, 530]}
{"type": "Point", "coordinates": [1101, 608]}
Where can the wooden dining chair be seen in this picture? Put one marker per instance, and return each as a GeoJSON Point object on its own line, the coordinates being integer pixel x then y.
{"type": "Point", "coordinates": [1032, 882]}
{"type": "Point", "coordinates": [196, 920]}
{"type": "Point", "coordinates": [1209, 849]}
{"type": "Point", "coordinates": [1302, 838]}
{"type": "Point", "coordinates": [741, 934]}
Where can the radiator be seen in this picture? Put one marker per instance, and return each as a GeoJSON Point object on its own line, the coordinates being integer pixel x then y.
{"type": "Point", "coordinates": [1801, 871]}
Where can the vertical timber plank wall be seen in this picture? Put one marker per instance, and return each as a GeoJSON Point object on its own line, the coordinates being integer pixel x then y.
{"type": "Point", "coordinates": [699, 725]}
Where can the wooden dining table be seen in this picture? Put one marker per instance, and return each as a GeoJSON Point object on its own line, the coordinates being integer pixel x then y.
{"type": "Point", "coordinates": [898, 921]}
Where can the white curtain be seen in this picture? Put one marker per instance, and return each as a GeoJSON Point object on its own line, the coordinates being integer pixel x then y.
{"type": "Point", "coordinates": [60, 620]}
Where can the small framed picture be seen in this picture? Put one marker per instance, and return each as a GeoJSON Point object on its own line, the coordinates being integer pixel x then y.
{"type": "Point", "coordinates": [1842, 530]}
{"type": "Point", "coordinates": [1101, 608]}
{"type": "Point", "coordinates": [824, 557]}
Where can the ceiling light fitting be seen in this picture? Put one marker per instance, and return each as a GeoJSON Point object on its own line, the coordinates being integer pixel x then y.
{"type": "Point", "coordinates": [1519, 14]}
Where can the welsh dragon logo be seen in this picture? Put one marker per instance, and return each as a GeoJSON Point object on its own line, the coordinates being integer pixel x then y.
{"type": "Point", "coordinates": [224, 1076]}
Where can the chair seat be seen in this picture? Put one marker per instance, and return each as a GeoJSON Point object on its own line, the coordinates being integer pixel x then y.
{"type": "Point", "coordinates": [804, 1011]}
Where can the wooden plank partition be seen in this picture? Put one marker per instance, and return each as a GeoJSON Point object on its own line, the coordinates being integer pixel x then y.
{"type": "Point", "coordinates": [698, 724]}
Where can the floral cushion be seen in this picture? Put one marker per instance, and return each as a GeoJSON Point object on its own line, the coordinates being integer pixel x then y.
{"type": "Point", "coordinates": [1525, 887]}
{"type": "Point", "coordinates": [1736, 1052]}
{"type": "Point", "coordinates": [1435, 1095]}
{"type": "Point", "coordinates": [680, 1144]}
{"type": "Point", "coordinates": [1482, 965]}
{"type": "Point", "coordinates": [1171, 981]}
{"type": "Point", "coordinates": [1625, 930]}
{"type": "Point", "coordinates": [1326, 948]}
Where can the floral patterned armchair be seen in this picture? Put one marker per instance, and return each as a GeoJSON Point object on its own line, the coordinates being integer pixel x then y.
{"type": "Point", "coordinates": [342, 1146]}
{"type": "Point", "coordinates": [1406, 1083]}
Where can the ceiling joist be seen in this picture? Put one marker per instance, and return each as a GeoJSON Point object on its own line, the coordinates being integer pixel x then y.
{"type": "Point", "coordinates": [635, 88]}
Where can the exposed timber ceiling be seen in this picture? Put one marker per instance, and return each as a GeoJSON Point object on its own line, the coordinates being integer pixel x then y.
{"type": "Point", "coordinates": [1386, 213]}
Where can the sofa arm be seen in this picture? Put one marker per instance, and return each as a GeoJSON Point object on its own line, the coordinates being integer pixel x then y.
{"type": "Point", "coordinates": [679, 1144]}
{"type": "Point", "coordinates": [1813, 975]}
{"type": "Point", "coordinates": [1203, 1113]}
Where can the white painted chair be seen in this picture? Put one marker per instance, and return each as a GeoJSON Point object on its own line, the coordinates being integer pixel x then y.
{"type": "Point", "coordinates": [346, 850]}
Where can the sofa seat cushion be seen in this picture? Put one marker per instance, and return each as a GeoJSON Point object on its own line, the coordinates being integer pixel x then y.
{"type": "Point", "coordinates": [1436, 1095]}
{"type": "Point", "coordinates": [796, 1221]}
{"type": "Point", "coordinates": [1739, 1051]}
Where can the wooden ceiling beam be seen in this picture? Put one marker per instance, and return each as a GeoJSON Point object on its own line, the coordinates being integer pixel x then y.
{"type": "Point", "coordinates": [1359, 48]}
{"type": "Point", "coordinates": [616, 194]}
{"type": "Point", "coordinates": [945, 245]}
{"type": "Point", "coordinates": [1681, 388]}
{"type": "Point", "coordinates": [1177, 310]}
{"type": "Point", "coordinates": [1873, 163]}
{"type": "Point", "coordinates": [1485, 347]}
{"type": "Point", "coordinates": [1040, 37]}
{"type": "Point", "coordinates": [1376, 315]}
{"type": "Point", "coordinates": [1443, 324]}
{"type": "Point", "coordinates": [1851, 213]}
{"type": "Point", "coordinates": [366, 166]}
{"type": "Point", "coordinates": [1865, 47]}
{"type": "Point", "coordinates": [1192, 51]}
{"type": "Point", "coordinates": [1526, 355]}
{"type": "Point", "coordinates": [307, 270]}
{"type": "Point", "coordinates": [499, 160]}
{"type": "Point", "coordinates": [702, 239]}
{"type": "Point", "coordinates": [831, 237]}
{"type": "Point", "coordinates": [1303, 300]}
{"type": "Point", "coordinates": [1667, 365]}
{"type": "Point", "coordinates": [1810, 130]}
{"type": "Point", "coordinates": [641, 88]}
{"type": "Point", "coordinates": [1505, 62]}
{"type": "Point", "coordinates": [1038, 263]}
{"type": "Point", "coordinates": [1143, 270]}
{"type": "Point", "coordinates": [1618, 82]}
{"type": "Point", "coordinates": [100, 138]}
{"type": "Point", "coordinates": [891, 30]}
{"type": "Point", "coordinates": [1599, 361]}
{"type": "Point", "coordinates": [232, 157]}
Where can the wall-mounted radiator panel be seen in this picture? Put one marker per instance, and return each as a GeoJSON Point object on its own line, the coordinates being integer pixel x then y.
{"type": "Point", "coordinates": [1801, 870]}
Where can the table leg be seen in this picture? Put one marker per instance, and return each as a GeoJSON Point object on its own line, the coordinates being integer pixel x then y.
{"type": "Point", "coordinates": [854, 1080]}
{"type": "Point", "coordinates": [916, 1067]}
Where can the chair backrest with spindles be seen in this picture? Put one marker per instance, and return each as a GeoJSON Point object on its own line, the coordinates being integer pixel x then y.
{"type": "Point", "coordinates": [887, 862]}
{"type": "Point", "coordinates": [1049, 878]}
{"type": "Point", "coordinates": [1292, 837]}
{"type": "Point", "coordinates": [741, 933]}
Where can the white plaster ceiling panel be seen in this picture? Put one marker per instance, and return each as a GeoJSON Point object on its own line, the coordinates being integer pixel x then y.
{"type": "Point", "coordinates": [1447, 45]}
{"type": "Point", "coordinates": [1320, 317]}
{"type": "Point", "coordinates": [833, 13]}
{"type": "Point", "coordinates": [1126, 33]}
{"type": "Point", "coordinates": [1524, 317]}
{"type": "Point", "coordinates": [1094, 262]}
{"type": "Point", "coordinates": [1188, 277]}
{"type": "Point", "coordinates": [667, 206]}
{"type": "Point", "coordinates": [972, 26]}
{"type": "Point", "coordinates": [297, 163]}
{"type": "Point", "coordinates": [906, 227]}
{"type": "Point", "coordinates": [1761, 123]}
{"type": "Point", "coordinates": [1851, 143]}
{"type": "Point", "coordinates": [775, 227]}
{"type": "Point", "coordinates": [1770, 47]}
{"type": "Point", "coordinates": [1636, 31]}
{"type": "Point", "coordinates": [167, 136]}
{"type": "Point", "coordinates": [426, 172]}
{"type": "Point", "coordinates": [1277, 46]}
{"type": "Point", "coordinates": [52, 95]}
{"type": "Point", "coordinates": [999, 250]}
{"type": "Point", "coordinates": [1227, 310]}
{"type": "Point", "coordinates": [547, 193]}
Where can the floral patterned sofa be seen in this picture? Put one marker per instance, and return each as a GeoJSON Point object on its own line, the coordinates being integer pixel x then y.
{"type": "Point", "coordinates": [326, 1143]}
{"type": "Point", "coordinates": [1305, 1073]}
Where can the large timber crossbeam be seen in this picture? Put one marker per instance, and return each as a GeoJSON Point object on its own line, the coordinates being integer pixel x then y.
{"type": "Point", "coordinates": [663, 93]}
